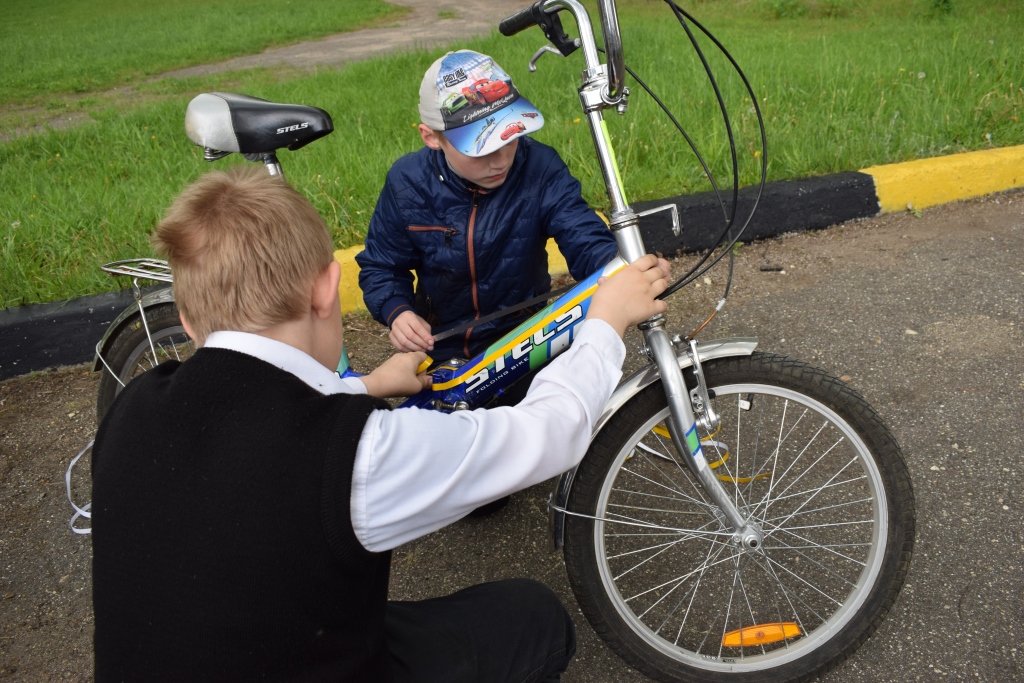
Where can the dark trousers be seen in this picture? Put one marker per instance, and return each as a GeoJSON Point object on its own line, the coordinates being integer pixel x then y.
{"type": "Point", "coordinates": [515, 631]}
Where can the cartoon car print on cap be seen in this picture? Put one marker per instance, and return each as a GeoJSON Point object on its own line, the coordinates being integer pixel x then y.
{"type": "Point", "coordinates": [513, 129]}
{"type": "Point", "coordinates": [471, 90]}
{"type": "Point", "coordinates": [485, 91]}
{"type": "Point", "coordinates": [454, 102]}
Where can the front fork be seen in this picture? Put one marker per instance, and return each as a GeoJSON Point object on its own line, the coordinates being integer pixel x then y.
{"type": "Point", "coordinates": [682, 425]}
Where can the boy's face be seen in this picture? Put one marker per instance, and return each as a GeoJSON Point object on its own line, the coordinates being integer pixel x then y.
{"type": "Point", "coordinates": [487, 171]}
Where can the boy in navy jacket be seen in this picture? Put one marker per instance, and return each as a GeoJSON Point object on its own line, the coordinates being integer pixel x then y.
{"type": "Point", "coordinates": [471, 214]}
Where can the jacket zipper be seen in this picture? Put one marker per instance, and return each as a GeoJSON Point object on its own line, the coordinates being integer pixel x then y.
{"type": "Point", "coordinates": [472, 269]}
{"type": "Point", "coordinates": [448, 232]}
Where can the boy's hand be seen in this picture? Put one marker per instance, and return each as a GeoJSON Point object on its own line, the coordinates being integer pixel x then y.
{"type": "Point", "coordinates": [410, 332]}
{"type": "Point", "coordinates": [397, 377]}
{"type": "Point", "coordinates": [627, 297]}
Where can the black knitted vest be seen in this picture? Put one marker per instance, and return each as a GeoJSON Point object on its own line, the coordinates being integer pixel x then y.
{"type": "Point", "coordinates": [223, 549]}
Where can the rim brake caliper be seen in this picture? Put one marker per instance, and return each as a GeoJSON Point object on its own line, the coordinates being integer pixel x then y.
{"type": "Point", "coordinates": [703, 410]}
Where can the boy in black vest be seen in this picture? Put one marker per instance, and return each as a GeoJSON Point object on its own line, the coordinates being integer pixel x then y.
{"type": "Point", "coordinates": [245, 502]}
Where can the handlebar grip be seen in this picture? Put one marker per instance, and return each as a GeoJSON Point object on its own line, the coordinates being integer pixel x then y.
{"type": "Point", "coordinates": [520, 21]}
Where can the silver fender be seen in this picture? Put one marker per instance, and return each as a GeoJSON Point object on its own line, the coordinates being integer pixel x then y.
{"type": "Point", "coordinates": [627, 389]}
{"type": "Point", "coordinates": [160, 296]}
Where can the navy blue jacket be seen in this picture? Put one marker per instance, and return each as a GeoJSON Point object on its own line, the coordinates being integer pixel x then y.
{"type": "Point", "coordinates": [475, 251]}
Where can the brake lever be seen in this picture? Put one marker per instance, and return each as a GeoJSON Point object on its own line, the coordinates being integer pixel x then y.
{"type": "Point", "coordinates": [551, 25]}
{"type": "Point", "coordinates": [539, 53]}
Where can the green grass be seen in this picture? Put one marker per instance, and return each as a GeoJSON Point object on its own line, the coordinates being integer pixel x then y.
{"type": "Point", "coordinates": [882, 85]}
{"type": "Point", "coordinates": [838, 92]}
{"type": "Point", "coordinates": [61, 46]}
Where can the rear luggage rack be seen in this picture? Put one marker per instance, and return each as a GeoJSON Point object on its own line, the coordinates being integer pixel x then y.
{"type": "Point", "coordinates": [141, 268]}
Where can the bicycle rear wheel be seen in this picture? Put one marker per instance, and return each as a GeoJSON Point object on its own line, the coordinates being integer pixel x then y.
{"type": "Point", "coordinates": [130, 353]}
{"type": "Point", "coordinates": [658, 574]}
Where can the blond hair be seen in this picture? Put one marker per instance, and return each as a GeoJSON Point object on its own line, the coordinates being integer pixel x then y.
{"type": "Point", "coordinates": [245, 248]}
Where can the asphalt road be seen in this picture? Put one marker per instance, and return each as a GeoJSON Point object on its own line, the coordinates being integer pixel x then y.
{"type": "Point", "coordinates": [922, 315]}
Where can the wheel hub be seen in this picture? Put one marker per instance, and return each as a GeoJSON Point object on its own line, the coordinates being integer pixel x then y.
{"type": "Point", "coordinates": [750, 537]}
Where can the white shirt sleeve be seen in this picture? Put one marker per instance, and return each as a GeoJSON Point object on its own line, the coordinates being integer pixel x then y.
{"type": "Point", "coordinates": [417, 471]}
{"type": "Point", "coordinates": [351, 385]}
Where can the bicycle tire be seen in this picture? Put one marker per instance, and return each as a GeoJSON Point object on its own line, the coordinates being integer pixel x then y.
{"type": "Point", "coordinates": [665, 594]}
{"type": "Point", "coordinates": [130, 354]}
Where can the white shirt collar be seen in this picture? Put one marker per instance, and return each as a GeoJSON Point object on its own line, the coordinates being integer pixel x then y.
{"type": "Point", "coordinates": [287, 358]}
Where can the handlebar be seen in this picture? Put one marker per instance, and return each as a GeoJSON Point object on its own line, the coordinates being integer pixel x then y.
{"type": "Point", "coordinates": [520, 21]}
{"type": "Point", "coordinates": [534, 15]}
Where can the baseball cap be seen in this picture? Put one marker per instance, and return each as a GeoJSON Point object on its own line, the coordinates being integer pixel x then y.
{"type": "Point", "coordinates": [472, 101]}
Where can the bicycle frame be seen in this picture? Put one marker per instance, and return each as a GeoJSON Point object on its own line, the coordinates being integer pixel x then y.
{"type": "Point", "coordinates": [471, 384]}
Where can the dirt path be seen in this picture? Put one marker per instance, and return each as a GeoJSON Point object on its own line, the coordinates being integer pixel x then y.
{"type": "Point", "coordinates": [923, 316]}
{"type": "Point", "coordinates": [428, 24]}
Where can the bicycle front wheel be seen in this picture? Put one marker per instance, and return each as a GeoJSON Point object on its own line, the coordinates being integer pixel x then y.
{"type": "Point", "coordinates": [655, 567]}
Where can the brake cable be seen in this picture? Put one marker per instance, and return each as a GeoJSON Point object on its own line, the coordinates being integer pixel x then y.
{"type": "Point", "coordinates": [729, 212]}
{"type": "Point", "coordinates": [702, 266]}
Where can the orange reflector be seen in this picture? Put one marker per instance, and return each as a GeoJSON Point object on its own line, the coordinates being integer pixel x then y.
{"type": "Point", "coordinates": [762, 634]}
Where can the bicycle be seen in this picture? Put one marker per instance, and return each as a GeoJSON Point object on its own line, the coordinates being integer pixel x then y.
{"type": "Point", "coordinates": [738, 516]}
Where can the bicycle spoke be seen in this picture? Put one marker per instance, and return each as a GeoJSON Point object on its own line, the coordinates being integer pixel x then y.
{"type": "Point", "coordinates": [693, 595]}
{"type": "Point", "coordinates": [685, 474]}
{"type": "Point", "coordinates": [800, 455]}
{"type": "Point", "coordinates": [648, 559]}
{"type": "Point", "coordinates": [674, 580]}
{"type": "Point", "coordinates": [781, 586]}
{"type": "Point", "coordinates": [694, 533]}
{"type": "Point", "coordinates": [813, 465]}
{"type": "Point", "coordinates": [821, 488]}
{"type": "Point", "coordinates": [803, 580]}
{"type": "Point", "coordinates": [817, 545]}
{"type": "Point", "coordinates": [750, 611]}
{"type": "Point", "coordinates": [651, 481]}
{"type": "Point", "coordinates": [806, 540]}
{"type": "Point", "coordinates": [829, 571]}
{"type": "Point", "coordinates": [631, 492]}
{"type": "Point", "coordinates": [640, 550]}
{"type": "Point", "coordinates": [853, 460]}
{"type": "Point", "coordinates": [822, 509]}
{"type": "Point", "coordinates": [728, 609]}
{"type": "Point", "coordinates": [670, 512]}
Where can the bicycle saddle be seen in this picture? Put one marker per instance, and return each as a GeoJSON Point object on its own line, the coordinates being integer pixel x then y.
{"type": "Point", "coordinates": [227, 122]}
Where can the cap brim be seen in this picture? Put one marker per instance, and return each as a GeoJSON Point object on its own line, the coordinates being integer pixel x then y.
{"type": "Point", "coordinates": [480, 138]}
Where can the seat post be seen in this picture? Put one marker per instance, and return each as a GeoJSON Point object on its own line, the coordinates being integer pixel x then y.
{"type": "Point", "coordinates": [269, 160]}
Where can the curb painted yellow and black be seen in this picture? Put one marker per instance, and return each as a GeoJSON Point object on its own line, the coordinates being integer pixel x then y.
{"type": "Point", "coordinates": [64, 333]}
{"type": "Point", "coordinates": [798, 205]}
{"type": "Point", "coordinates": [815, 203]}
